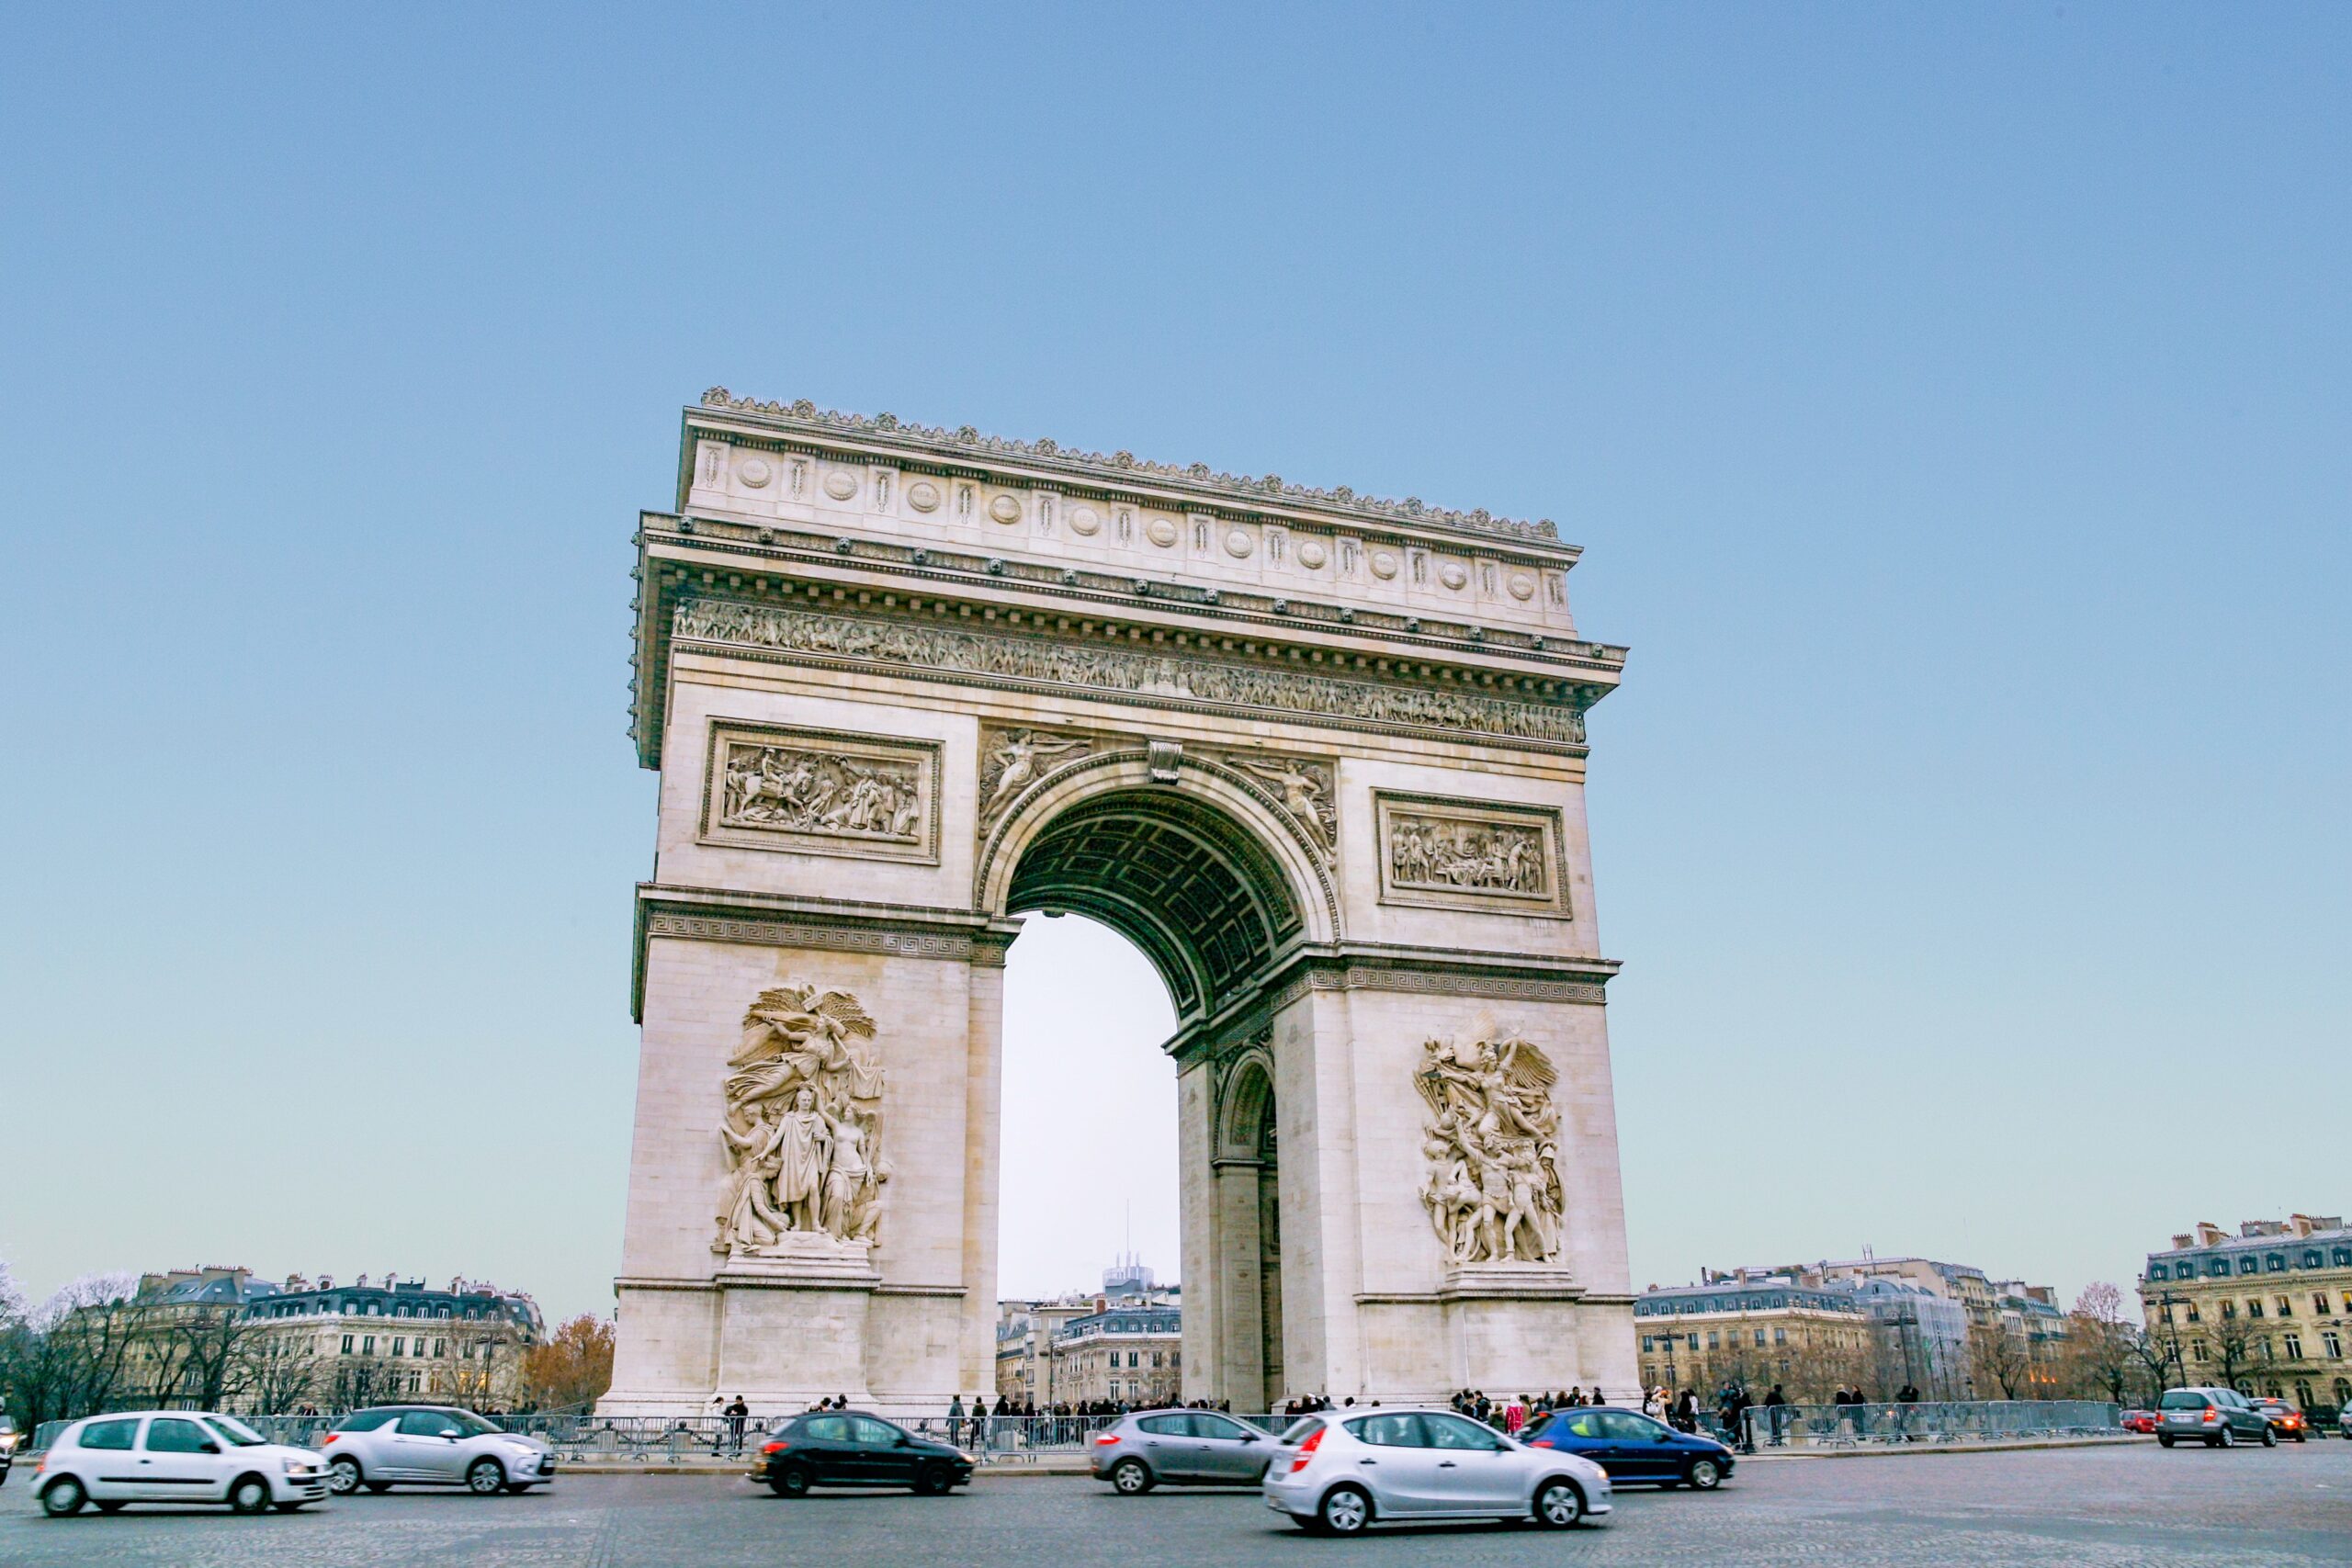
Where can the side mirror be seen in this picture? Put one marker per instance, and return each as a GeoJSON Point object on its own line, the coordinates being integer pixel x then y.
{"type": "Point", "coordinates": [209, 1446]}
{"type": "Point", "coordinates": [451, 1433]}
{"type": "Point", "coordinates": [904, 1441]}
{"type": "Point", "coordinates": [1249, 1437]}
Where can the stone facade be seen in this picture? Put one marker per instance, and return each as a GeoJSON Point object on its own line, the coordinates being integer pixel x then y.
{"type": "Point", "coordinates": [1320, 757]}
{"type": "Point", "coordinates": [2267, 1311]}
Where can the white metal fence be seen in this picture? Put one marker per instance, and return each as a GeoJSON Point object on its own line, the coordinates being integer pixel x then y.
{"type": "Point", "coordinates": [1947, 1422]}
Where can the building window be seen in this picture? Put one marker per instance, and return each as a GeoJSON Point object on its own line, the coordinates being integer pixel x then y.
{"type": "Point", "coordinates": [2156, 1271]}
{"type": "Point", "coordinates": [2310, 1257]}
{"type": "Point", "coordinates": [1759, 1339]}
{"type": "Point", "coordinates": [2277, 1262]}
{"type": "Point", "coordinates": [2334, 1346]}
{"type": "Point", "coordinates": [346, 1343]}
{"type": "Point", "coordinates": [367, 1345]}
{"type": "Point", "coordinates": [2343, 1255]}
{"type": "Point", "coordinates": [2294, 1346]}
{"type": "Point", "coordinates": [400, 1346]}
{"type": "Point", "coordinates": [2254, 1306]}
{"type": "Point", "coordinates": [440, 1346]}
{"type": "Point", "coordinates": [1780, 1337]}
{"type": "Point", "coordinates": [1711, 1341]}
{"type": "Point", "coordinates": [2249, 1264]}
{"type": "Point", "coordinates": [2197, 1352]}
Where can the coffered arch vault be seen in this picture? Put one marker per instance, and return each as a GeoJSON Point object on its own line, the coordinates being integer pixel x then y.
{"type": "Point", "coordinates": [1185, 875]}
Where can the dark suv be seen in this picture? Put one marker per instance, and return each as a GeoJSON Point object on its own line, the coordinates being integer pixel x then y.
{"type": "Point", "coordinates": [2218, 1417]}
{"type": "Point", "coordinates": [849, 1447]}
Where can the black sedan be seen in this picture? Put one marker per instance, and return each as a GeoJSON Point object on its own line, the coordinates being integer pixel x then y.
{"type": "Point", "coordinates": [1631, 1447]}
{"type": "Point", "coordinates": [849, 1447]}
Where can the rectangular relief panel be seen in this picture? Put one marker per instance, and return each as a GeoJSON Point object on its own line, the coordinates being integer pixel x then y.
{"type": "Point", "coordinates": [1439, 854]}
{"type": "Point", "coordinates": [820, 792]}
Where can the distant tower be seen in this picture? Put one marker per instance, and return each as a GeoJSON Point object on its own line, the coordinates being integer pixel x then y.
{"type": "Point", "coordinates": [1126, 1276]}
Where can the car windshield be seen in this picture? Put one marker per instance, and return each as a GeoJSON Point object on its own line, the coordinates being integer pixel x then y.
{"type": "Point", "coordinates": [2183, 1399]}
{"type": "Point", "coordinates": [237, 1432]}
{"type": "Point", "coordinates": [469, 1424]}
{"type": "Point", "coordinates": [1299, 1430]}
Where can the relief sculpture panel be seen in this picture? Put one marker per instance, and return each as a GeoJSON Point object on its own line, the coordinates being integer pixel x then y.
{"type": "Point", "coordinates": [802, 1132]}
{"type": "Point", "coordinates": [1492, 1147]}
{"type": "Point", "coordinates": [1014, 758]}
{"type": "Point", "coordinates": [1305, 787]}
{"type": "Point", "coordinates": [822, 793]}
{"type": "Point", "coordinates": [1461, 854]}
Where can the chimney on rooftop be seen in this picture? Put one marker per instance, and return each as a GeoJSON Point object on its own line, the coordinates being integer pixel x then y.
{"type": "Point", "coordinates": [2209, 1234]}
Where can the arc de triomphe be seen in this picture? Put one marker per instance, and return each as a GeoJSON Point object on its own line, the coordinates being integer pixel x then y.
{"type": "Point", "coordinates": [1321, 757]}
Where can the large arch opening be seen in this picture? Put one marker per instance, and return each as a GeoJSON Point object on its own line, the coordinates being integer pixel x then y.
{"type": "Point", "coordinates": [1209, 909]}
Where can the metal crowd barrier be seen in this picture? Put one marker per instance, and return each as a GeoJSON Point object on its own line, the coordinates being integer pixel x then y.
{"type": "Point", "coordinates": [1946, 1422]}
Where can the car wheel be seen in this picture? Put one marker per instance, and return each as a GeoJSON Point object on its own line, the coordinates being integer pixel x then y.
{"type": "Point", "coordinates": [62, 1497]}
{"type": "Point", "coordinates": [2269, 1437]}
{"type": "Point", "coordinates": [343, 1477]}
{"type": "Point", "coordinates": [250, 1494]}
{"type": "Point", "coordinates": [1344, 1511]}
{"type": "Point", "coordinates": [933, 1481]}
{"type": "Point", "coordinates": [792, 1481]}
{"type": "Point", "coordinates": [2226, 1437]}
{"type": "Point", "coordinates": [1558, 1503]}
{"type": "Point", "coordinates": [485, 1476]}
{"type": "Point", "coordinates": [1130, 1478]}
{"type": "Point", "coordinates": [2164, 1440]}
{"type": "Point", "coordinates": [1706, 1474]}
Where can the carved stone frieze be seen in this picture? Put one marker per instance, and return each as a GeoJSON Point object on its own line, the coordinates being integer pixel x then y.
{"type": "Point", "coordinates": [1203, 683]}
{"type": "Point", "coordinates": [1491, 1146]}
{"type": "Point", "coordinates": [820, 792]}
{"type": "Point", "coordinates": [1464, 854]}
{"type": "Point", "coordinates": [1015, 756]}
{"type": "Point", "coordinates": [802, 1132]}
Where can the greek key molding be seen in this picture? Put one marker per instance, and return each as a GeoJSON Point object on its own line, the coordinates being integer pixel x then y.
{"type": "Point", "coordinates": [836, 939]}
{"type": "Point", "coordinates": [1201, 685]}
{"type": "Point", "coordinates": [1422, 982]}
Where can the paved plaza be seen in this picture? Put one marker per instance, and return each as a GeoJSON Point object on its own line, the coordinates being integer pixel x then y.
{"type": "Point", "coordinates": [2115, 1506]}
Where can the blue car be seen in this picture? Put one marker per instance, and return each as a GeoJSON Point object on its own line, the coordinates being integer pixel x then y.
{"type": "Point", "coordinates": [1631, 1447]}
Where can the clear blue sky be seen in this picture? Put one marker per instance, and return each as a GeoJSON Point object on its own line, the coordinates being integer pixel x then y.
{"type": "Point", "coordinates": [1953, 402]}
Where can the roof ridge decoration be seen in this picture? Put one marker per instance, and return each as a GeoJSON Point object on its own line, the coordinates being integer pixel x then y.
{"type": "Point", "coordinates": [1412, 509]}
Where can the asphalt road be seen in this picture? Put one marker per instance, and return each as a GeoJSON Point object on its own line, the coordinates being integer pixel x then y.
{"type": "Point", "coordinates": [2094, 1507]}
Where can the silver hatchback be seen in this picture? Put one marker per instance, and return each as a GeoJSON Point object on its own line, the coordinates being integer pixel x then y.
{"type": "Point", "coordinates": [432, 1445]}
{"type": "Point", "coordinates": [1185, 1446]}
{"type": "Point", "coordinates": [1334, 1474]}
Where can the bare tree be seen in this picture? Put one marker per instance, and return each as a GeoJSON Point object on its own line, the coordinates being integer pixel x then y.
{"type": "Point", "coordinates": [2102, 1343]}
{"type": "Point", "coordinates": [2232, 1341]}
{"type": "Point", "coordinates": [71, 1355]}
{"type": "Point", "coordinates": [281, 1369]}
{"type": "Point", "coordinates": [2002, 1359]}
{"type": "Point", "coordinates": [211, 1348]}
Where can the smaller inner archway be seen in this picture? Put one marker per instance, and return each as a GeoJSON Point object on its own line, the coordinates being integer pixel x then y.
{"type": "Point", "coordinates": [1246, 1177]}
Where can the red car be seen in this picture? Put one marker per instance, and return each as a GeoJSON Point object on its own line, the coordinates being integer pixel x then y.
{"type": "Point", "coordinates": [2139, 1421]}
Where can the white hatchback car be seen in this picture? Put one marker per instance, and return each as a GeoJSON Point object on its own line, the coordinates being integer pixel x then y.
{"type": "Point", "coordinates": [1336, 1472]}
{"type": "Point", "coordinates": [174, 1456]}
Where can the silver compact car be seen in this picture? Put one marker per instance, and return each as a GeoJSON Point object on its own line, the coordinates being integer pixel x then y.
{"type": "Point", "coordinates": [1333, 1475]}
{"type": "Point", "coordinates": [432, 1445]}
{"type": "Point", "coordinates": [1198, 1447]}
{"type": "Point", "coordinates": [2217, 1418]}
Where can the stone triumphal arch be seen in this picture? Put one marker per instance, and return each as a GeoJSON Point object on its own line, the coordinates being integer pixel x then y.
{"type": "Point", "coordinates": [1320, 757]}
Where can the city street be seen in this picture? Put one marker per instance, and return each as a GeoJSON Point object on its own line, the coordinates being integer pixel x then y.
{"type": "Point", "coordinates": [2114, 1506]}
